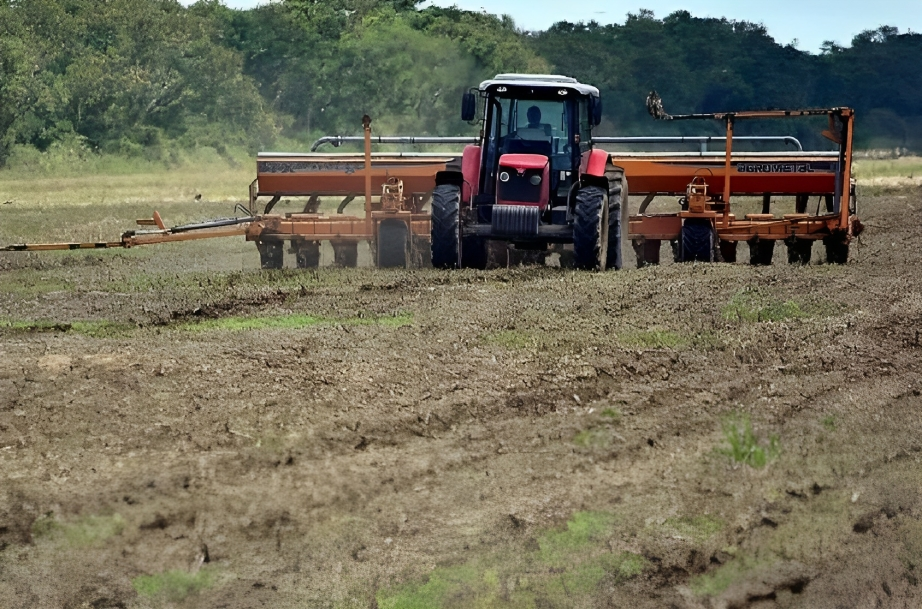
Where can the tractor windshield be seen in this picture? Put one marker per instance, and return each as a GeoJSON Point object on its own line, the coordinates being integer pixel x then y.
{"type": "Point", "coordinates": [531, 125]}
{"type": "Point", "coordinates": [534, 120]}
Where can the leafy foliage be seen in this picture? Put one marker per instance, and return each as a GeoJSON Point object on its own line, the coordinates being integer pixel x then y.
{"type": "Point", "coordinates": [138, 77]}
{"type": "Point", "coordinates": [123, 75]}
{"type": "Point", "coordinates": [708, 64]}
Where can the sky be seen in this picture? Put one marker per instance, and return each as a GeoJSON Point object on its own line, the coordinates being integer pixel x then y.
{"type": "Point", "coordinates": [809, 22]}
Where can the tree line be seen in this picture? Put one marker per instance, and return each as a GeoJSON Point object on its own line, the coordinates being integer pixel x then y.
{"type": "Point", "coordinates": [134, 76]}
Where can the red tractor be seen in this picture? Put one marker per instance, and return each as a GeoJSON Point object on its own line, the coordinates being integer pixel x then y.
{"type": "Point", "coordinates": [533, 179]}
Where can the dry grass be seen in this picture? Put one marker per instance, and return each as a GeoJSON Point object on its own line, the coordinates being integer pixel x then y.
{"type": "Point", "coordinates": [213, 183]}
{"type": "Point", "coordinates": [899, 172]}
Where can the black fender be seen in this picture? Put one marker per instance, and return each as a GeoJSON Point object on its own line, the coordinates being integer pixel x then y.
{"type": "Point", "coordinates": [455, 178]}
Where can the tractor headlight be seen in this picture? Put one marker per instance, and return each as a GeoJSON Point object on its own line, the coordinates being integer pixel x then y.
{"type": "Point", "coordinates": [535, 180]}
{"type": "Point", "coordinates": [504, 176]}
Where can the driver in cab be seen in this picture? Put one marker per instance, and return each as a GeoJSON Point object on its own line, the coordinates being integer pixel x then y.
{"type": "Point", "coordinates": [535, 130]}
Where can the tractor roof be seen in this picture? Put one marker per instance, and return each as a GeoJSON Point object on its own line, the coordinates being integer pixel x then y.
{"type": "Point", "coordinates": [544, 81]}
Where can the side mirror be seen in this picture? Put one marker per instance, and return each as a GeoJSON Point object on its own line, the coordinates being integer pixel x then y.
{"type": "Point", "coordinates": [468, 106]}
{"type": "Point", "coordinates": [595, 110]}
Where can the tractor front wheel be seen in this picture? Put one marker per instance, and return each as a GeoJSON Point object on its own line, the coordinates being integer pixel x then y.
{"type": "Point", "coordinates": [446, 238]}
{"type": "Point", "coordinates": [617, 216]}
{"type": "Point", "coordinates": [590, 229]}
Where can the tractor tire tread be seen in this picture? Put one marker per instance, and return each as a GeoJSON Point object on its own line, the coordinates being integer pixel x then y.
{"type": "Point", "coordinates": [617, 216]}
{"type": "Point", "coordinates": [590, 228]}
{"type": "Point", "coordinates": [446, 202]}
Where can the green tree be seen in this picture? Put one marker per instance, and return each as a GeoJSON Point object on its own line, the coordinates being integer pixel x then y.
{"type": "Point", "coordinates": [409, 82]}
{"type": "Point", "coordinates": [493, 41]}
{"type": "Point", "coordinates": [125, 73]}
{"type": "Point", "coordinates": [13, 66]}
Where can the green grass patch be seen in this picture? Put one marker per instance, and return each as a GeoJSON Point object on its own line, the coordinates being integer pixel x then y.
{"type": "Point", "coordinates": [623, 566]}
{"type": "Point", "coordinates": [743, 446]}
{"type": "Point", "coordinates": [566, 569]}
{"type": "Point", "coordinates": [466, 581]}
{"type": "Point", "coordinates": [584, 529]}
{"type": "Point", "coordinates": [95, 329]}
{"type": "Point", "coordinates": [295, 321]}
{"type": "Point", "coordinates": [175, 585]}
{"type": "Point", "coordinates": [510, 339]}
{"type": "Point", "coordinates": [829, 422]}
{"type": "Point", "coordinates": [694, 528]}
{"type": "Point", "coordinates": [593, 438]}
{"type": "Point", "coordinates": [612, 414]}
{"type": "Point", "coordinates": [751, 305]}
{"type": "Point", "coordinates": [109, 329]}
{"type": "Point", "coordinates": [86, 531]}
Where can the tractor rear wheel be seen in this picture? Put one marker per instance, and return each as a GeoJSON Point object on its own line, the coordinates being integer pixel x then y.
{"type": "Point", "coordinates": [617, 216]}
{"type": "Point", "coordinates": [590, 229]}
{"type": "Point", "coordinates": [446, 238]}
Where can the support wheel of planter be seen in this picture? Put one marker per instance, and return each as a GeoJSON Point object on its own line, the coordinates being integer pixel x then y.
{"type": "Point", "coordinates": [647, 251]}
{"type": "Point", "coordinates": [393, 244]}
{"type": "Point", "coordinates": [698, 240]}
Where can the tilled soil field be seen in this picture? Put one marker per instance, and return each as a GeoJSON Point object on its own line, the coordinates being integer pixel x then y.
{"type": "Point", "coordinates": [178, 431]}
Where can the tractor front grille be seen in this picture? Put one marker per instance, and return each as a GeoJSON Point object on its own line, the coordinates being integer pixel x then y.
{"type": "Point", "coordinates": [519, 187]}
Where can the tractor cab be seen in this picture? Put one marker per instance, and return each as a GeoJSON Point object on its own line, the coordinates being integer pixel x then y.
{"type": "Point", "coordinates": [536, 128]}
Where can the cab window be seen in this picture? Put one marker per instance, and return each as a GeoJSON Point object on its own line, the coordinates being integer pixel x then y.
{"type": "Point", "coordinates": [585, 129]}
